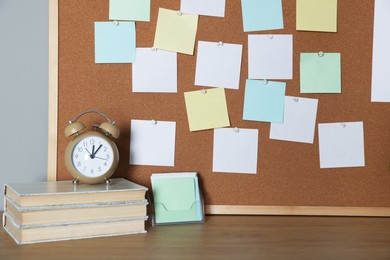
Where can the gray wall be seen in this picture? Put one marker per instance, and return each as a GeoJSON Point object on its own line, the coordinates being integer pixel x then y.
{"type": "Point", "coordinates": [23, 90]}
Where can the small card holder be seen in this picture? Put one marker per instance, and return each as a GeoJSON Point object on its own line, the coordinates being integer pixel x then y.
{"type": "Point", "coordinates": [166, 214]}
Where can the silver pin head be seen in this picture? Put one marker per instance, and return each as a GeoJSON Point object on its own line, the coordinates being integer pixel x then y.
{"type": "Point", "coordinates": [116, 23]}
{"type": "Point", "coordinates": [343, 125]}
{"type": "Point", "coordinates": [270, 36]}
{"type": "Point", "coordinates": [321, 54]}
{"type": "Point", "coordinates": [296, 99]}
{"type": "Point", "coordinates": [154, 49]}
{"type": "Point", "coordinates": [236, 130]}
{"type": "Point", "coordinates": [154, 122]}
{"type": "Point", "coordinates": [179, 13]}
{"type": "Point", "coordinates": [265, 82]}
{"type": "Point", "coordinates": [204, 91]}
{"type": "Point", "coordinates": [220, 44]}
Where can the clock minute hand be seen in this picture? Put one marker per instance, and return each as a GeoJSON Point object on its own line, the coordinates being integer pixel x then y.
{"type": "Point", "coordinates": [100, 146]}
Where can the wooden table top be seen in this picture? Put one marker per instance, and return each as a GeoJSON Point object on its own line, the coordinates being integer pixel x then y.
{"type": "Point", "coordinates": [227, 237]}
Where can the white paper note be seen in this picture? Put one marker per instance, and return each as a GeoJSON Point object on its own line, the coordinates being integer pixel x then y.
{"type": "Point", "coordinates": [155, 71]}
{"type": "Point", "coordinates": [203, 7]}
{"type": "Point", "coordinates": [152, 142]}
{"type": "Point", "coordinates": [299, 120]}
{"type": "Point", "coordinates": [380, 85]}
{"type": "Point", "coordinates": [218, 65]}
{"type": "Point", "coordinates": [235, 150]}
{"type": "Point", "coordinates": [341, 145]}
{"type": "Point", "coordinates": [270, 56]}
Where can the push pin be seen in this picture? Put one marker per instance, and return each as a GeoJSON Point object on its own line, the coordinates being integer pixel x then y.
{"type": "Point", "coordinates": [296, 99]}
{"type": "Point", "coordinates": [270, 36]}
{"type": "Point", "coordinates": [179, 13]}
{"type": "Point", "coordinates": [265, 82]}
{"type": "Point", "coordinates": [154, 49]}
{"type": "Point", "coordinates": [154, 122]}
{"type": "Point", "coordinates": [116, 23]}
{"type": "Point", "coordinates": [204, 91]}
{"type": "Point", "coordinates": [220, 44]}
{"type": "Point", "coordinates": [343, 125]}
{"type": "Point", "coordinates": [236, 130]}
{"type": "Point", "coordinates": [321, 54]}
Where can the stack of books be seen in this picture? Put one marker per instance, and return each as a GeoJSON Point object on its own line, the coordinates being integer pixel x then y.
{"type": "Point", "coordinates": [53, 211]}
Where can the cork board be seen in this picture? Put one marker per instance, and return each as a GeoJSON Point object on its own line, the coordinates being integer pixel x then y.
{"type": "Point", "coordinates": [289, 179]}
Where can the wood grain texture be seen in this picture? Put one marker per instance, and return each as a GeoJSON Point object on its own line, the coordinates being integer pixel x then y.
{"type": "Point", "coordinates": [227, 237]}
{"type": "Point", "coordinates": [297, 210]}
{"type": "Point", "coordinates": [288, 173]}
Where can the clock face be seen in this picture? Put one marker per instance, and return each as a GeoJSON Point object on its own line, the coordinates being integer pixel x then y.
{"type": "Point", "coordinates": [92, 156]}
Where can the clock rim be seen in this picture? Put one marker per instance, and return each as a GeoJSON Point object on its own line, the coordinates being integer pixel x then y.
{"type": "Point", "coordinates": [79, 176]}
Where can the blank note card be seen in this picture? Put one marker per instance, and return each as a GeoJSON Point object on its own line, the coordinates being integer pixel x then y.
{"type": "Point", "coordinates": [133, 10]}
{"type": "Point", "coordinates": [341, 145]}
{"type": "Point", "coordinates": [218, 64]}
{"type": "Point", "coordinates": [204, 7]}
{"type": "Point", "coordinates": [152, 142]}
{"type": "Point", "coordinates": [260, 15]}
{"type": "Point", "coordinates": [114, 42]}
{"type": "Point", "coordinates": [264, 101]}
{"type": "Point", "coordinates": [270, 56]}
{"type": "Point", "coordinates": [317, 15]}
{"type": "Point", "coordinates": [320, 72]}
{"type": "Point", "coordinates": [155, 71]}
{"type": "Point", "coordinates": [176, 31]}
{"type": "Point", "coordinates": [235, 150]}
{"type": "Point", "coordinates": [206, 109]}
{"type": "Point", "coordinates": [380, 87]}
{"type": "Point", "coordinates": [298, 122]}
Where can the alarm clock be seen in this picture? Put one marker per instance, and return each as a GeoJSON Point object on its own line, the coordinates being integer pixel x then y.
{"type": "Point", "coordinates": [91, 156]}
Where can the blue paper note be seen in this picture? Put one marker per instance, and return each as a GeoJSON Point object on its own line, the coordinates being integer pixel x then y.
{"type": "Point", "coordinates": [114, 42]}
{"type": "Point", "coordinates": [261, 15]}
{"type": "Point", "coordinates": [264, 101]}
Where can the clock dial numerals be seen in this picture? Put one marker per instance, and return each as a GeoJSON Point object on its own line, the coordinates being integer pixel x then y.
{"type": "Point", "coordinates": [92, 156]}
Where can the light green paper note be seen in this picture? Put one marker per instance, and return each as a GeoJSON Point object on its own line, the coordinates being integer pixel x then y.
{"type": "Point", "coordinates": [317, 15]}
{"type": "Point", "coordinates": [176, 31]}
{"type": "Point", "coordinates": [206, 109]}
{"type": "Point", "coordinates": [175, 200]}
{"type": "Point", "coordinates": [320, 73]}
{"type": "Point", "coordinates": [133, 10]}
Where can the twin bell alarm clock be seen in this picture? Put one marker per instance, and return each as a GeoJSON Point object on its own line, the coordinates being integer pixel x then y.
{"type": "Point", "coordinates": [91, 156]}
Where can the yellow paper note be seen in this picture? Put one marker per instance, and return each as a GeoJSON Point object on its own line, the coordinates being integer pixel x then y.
{"type": "Point", "coordinates": [176, 31]}
{"type": "Point", "coordinates": [317, 15]}
{"type": "Point", "coordinates": [206, 109]}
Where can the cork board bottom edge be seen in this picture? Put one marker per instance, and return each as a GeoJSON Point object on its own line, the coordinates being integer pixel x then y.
{"type": "Point", "coordinates": [298, 210]}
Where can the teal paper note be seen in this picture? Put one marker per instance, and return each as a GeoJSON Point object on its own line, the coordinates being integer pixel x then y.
{"type": "Point", "coordinates": [114, 42]}
{"type": "Point", "coordinates": [133, 10]}
{"type": "Point", "coordinates": [264, 102]}
{"type": "Point", "coordinates": [320, 73]}
{"type": "Point", "coordinates": [261, 15]}
{"type": "Point", "coordinates": [175, 200]}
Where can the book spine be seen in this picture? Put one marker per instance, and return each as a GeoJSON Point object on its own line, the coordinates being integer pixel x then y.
{"type": "Point", "coordinates": [4, 193]}
{"type": "Point", "coordinates": [21, 226]}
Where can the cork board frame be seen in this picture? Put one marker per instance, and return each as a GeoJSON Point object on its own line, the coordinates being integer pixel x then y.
{"type": "Point", "coordinates": [289, 181]}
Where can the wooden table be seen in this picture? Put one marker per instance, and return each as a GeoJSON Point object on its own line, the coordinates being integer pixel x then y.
{"type": "Point", "coordinates": [227, 237]}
